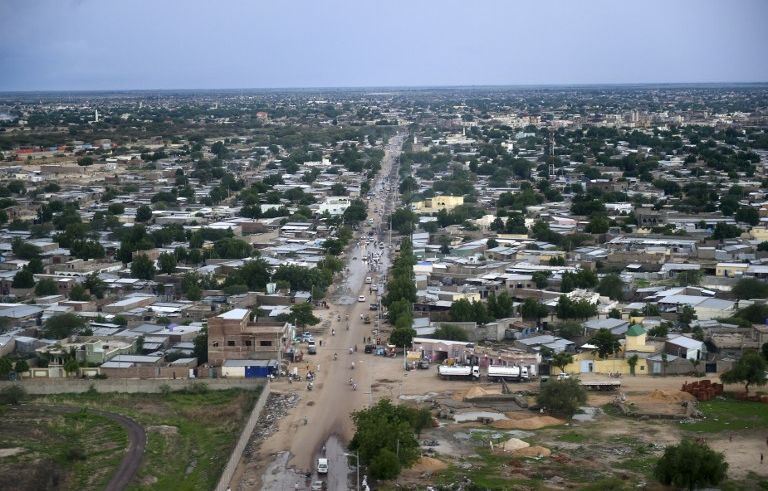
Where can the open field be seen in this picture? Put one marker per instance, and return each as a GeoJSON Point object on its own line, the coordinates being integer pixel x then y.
{"type": "Point", "coordinates": [41, 448]}
{"type": "Point", "coordinates": [612, 452]}
{"type": "Point", "coordinates": [189, 438]}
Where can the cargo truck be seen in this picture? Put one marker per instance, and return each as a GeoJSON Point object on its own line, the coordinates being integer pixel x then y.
{"type": "Point", "coordinates": [513, 372]}
{"type": "Point", "coordinates": [459, 372]}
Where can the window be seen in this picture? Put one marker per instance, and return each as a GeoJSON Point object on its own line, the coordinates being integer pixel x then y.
{"type": "Point", "coordinates": [265, 343]}
{"type": "Point", "coordinates": [248, 342]}
{"type": "Point", "coordinates": [215, 344]}
{"type": "Point", "coordinates": [230, 343]}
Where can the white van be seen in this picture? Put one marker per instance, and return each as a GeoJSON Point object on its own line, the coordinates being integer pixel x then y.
{"type": "Point", "coordinates": [368, 280]}
{"type": "Point", "coordinates": [322, 466]}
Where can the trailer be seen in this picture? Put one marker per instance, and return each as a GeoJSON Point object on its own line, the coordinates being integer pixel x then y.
{"type": "Point", "coordinates": [459, 372]}
{"type": "Point", "coordinates": [514, 373]}
{"type": "Point", "coordinates": [605, 385]}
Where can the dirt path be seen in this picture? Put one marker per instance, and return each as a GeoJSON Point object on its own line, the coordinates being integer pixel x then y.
{"type": "Point", "coordinates": [134, 453]}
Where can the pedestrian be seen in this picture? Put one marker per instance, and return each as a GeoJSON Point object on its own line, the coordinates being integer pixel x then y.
{"type": "Point", "coordinates": [363, 339]}
{"type": "Point", "coordinates": [321, 343]}
{"type": "Point", "coordinates": [761, 458]}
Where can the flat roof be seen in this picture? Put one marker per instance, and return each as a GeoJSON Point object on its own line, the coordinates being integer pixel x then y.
{"type": "Point", "coordinates": [234, 314]}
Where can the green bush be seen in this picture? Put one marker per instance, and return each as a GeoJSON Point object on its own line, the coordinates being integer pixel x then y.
{"type": "Point", "coordinates": [691, 465]}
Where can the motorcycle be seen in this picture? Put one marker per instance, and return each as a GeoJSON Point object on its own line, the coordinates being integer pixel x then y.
{"type": "Point", "coordinates": [310, 385]}
{"type": "Point", "coordinates": [352, 367]}
{"type": "Point", "coordinates": [333, 332]}
{"type": "Point", "coordinates": [335, 356]}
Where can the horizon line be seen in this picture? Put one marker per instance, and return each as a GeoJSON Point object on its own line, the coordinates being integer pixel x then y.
{"type": "Point", "coordinates": [388, 87]}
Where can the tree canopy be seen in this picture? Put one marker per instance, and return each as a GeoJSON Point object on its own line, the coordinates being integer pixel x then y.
{"type": "Point", "coordinates": [691, 465]}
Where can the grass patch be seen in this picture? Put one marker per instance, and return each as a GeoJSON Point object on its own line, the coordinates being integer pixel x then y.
{"type": "Point", "coordinates": [487, 473]}
{"type": "Point", "coordinates": [192, 453]}
{"type": "Point", "coordinates": [609, 484]}
{"type": "Point", "coordinates": [572, 437]}
{"type": "Point", "coordinates": [729, 415]}
{"type": "Point", "coordinates": [80, 450]}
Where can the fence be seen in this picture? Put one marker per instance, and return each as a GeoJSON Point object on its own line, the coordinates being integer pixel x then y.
{"type": "Point", "coordinates": [245, 436]}
{"type": "Point", "coordinates": [66, 386]}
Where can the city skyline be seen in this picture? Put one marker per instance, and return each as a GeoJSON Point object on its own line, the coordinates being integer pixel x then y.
{"type": "Point", "coordinates": [84, 45]}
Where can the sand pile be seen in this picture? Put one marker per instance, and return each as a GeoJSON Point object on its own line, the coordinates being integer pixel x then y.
{"type": "Point", "coordinates": [525, 421]}
{"type": "Point", "coordinates": [534, 451]}
{"type": "Point", "coordinates": [670, 396]}
{"type": "Point", "coordinates": [514, 444]}
{"type": "Point", "coordinates": [477, 392]}
{"type": "Point", "coordinates": [428, 464]}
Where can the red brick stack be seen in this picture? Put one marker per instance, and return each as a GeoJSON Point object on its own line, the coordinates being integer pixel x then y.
{"type": "Point", "coordinates": [703, 390]}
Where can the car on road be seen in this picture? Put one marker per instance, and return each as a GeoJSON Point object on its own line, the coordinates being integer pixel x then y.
{"type": "Point", "coordinates": [369, 348]}
{"type": "Point", "coordinates": [318, 486]}
{"type": "Point", "coordinates": [322, 466]}
{"type": "Point", "coordinates": [563, 376]}
{"type": "Point", "coordinates": [361, 298]}
{"type": "Point", "coordinates": [311, 348]}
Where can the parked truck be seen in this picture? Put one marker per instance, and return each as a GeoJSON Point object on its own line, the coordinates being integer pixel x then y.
{"type": "Point", "coordinates": [512, 372]}
{"type": "Point", "coordinates": [459, 372]}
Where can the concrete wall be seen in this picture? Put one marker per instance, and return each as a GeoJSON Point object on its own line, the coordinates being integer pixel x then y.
{"type": "Point", "coordinates": [66, 386]}
{"type": "Point", "coordinates": [237, 452]}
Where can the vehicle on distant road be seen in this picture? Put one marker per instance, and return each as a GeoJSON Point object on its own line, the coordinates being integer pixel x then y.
{"type": "Point", "coordinates": [322, 466]}
{"type": "Point", "coordinates": [361, 298]}
{"type": "Point", "coordinates": [311, 348]}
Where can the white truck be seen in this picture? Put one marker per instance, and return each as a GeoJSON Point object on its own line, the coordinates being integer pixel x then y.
{"type": "Point", "coordinates": [512, 372]}
{"type": "Point", "coordinates": [457, 371]}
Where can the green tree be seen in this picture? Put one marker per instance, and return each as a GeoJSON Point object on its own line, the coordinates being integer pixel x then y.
{"type": "Point", "coordinates": [95, 285]}
{"type": "Point", "coordinates": [569, 330]}
{"type": "Point", "coordinates": [402, 337]}
{"type": "Point", "coordinates": [541, 278]}
{"type": "Point", "coordinates": [686, 315]}
{"type": "Point", "coordinates": [747, 288]}
{"type": "Point", "coordinates": [632, 362]}
{"type": "Point", "coordinates": [85, 161]}
{"type": "Point", "coordinates": [46, 286]}
{"type": "Point", "coordinates": [612, 286]}
{"type": "Point", "coordinates": [690, 465]}
{"type": "Point", "coordinates": [116, 209]}
{"type": "Point", "coordinates": [6, 367]}
{"type": "Point", "coordinates": [200, 349]}
{"type": "Point", "coordinates": [167, 263]}
{"type": "Point", "coordinates": [491, 243]}
{"type": "Point", "coordinates": [606, 343]}
{"type": "Point", "coordinates": [748, 370]}
{"type": "Point", "coordinates": [78, 293]}
{"type": "Point", "coordinates": [71, 366]}
{"type": "Point", "coordinates": [23, 279]}
{"type": "Point", "coordinates": [532, 309]}
{"type": "Point", "coordinates": [194, 293]}
{"type": "Point", "coordinates": [356, 212]}
{"type": "Point", "coordinates": [142, 267]}
{"type": "Point", "coordinates": [748, 215]}
{"type": "Point", "coordinates": [22, 366]}
{"type": "Point", "coordinates": [561, 360]}
{"type": "Point", "coordinates": [301, 315]}
{"type": "Point", "coordinates": [562, 397]}
{"type": "Point", "coordinates": [450, 332]}
{"type": "Point", "coordinates": [391, 430]}
{"type": "Point", "coordinates": [614, 314]}
{"type": "Point", "coordinates": [143, 213]}
{"type": "Point", "coordinates": [63, 325]}
{"type": "Point", "coordinates": [764, 351]}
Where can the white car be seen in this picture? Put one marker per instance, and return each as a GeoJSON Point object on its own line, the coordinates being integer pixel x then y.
{"type": "Point", "coordinates": [322, 466]}
{"type": "Point", "coordinates": [361, 298]}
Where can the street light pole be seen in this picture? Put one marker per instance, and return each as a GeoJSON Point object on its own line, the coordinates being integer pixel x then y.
{"type": "Point", "coordinates": [356, 455]}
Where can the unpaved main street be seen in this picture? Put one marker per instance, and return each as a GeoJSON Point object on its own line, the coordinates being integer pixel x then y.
{"type": "Point", "coordinates": [325, 411]}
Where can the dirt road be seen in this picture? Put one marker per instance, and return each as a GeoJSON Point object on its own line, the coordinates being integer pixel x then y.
{"type": "Point", "coordinates": [325, 411]}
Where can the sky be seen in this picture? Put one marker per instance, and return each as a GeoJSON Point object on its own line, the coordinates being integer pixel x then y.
{"type": "Point", "coordinates": [209, 44]}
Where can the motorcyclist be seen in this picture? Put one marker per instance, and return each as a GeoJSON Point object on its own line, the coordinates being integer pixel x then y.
{"type": "Point", "coordinates": [335, 356]}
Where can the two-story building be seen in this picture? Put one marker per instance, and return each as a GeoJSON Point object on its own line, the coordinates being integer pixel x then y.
{"type": "Point", "coordinates": [232, 336]}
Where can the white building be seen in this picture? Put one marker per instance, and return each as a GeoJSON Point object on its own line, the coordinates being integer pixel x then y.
{"type": "Point", "coordinates": [334, 205]}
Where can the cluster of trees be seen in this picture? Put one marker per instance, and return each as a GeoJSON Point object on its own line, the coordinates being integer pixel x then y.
{"type": "Point", "coordinates": [497, 307]}
{"type": "Point", "coordinates": [386, 437]}
{"type": "Point", "coordinates": [315, 280]}
{"type": "Point", "coordinates": [575, 309]}
{"type": "Point", "coordinates": [583, 278]}
{"type": "Point", "coordinates": [401, 293]}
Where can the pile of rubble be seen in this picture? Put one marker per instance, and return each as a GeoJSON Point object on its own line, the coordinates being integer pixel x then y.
{"type": "Point", "coordinates": [276, 408]}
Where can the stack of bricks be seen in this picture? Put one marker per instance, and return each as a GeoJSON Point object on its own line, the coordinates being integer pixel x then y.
{"type": "Point", "coordinates": [703, 390]}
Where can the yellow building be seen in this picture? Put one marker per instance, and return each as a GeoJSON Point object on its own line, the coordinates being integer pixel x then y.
{"type": "Point", "coordinates": [437, 203]}
{"type": "Point", "coordinates": [759, 233]}
{"type": "Point", "coordinates": [634, 340]}
{"type": "Point", "coordinates": [730, 270]}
